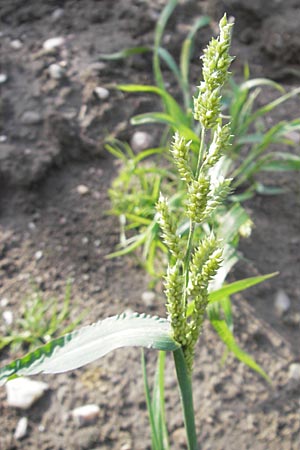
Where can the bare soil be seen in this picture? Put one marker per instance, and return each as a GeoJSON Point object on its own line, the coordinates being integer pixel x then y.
{"type": "Point", "coordinates": [42, 163]}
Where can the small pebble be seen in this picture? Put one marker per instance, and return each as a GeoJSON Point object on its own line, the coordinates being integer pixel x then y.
{"type": "Point", "coordinates": [57, 14]}
{"type": "Point", "coordinates": [82, 189]}
{"type": "Point", "coordinates": [16, 44]}
{"type": "Point", "coordinates": [8, 317]}
{"type": "Point", "coordinates": [53, 43]}
{"type": "Point", "coordinates": [101, 92]}
{"type": "Point", "coordinates": [140, 141]}
{"type": "Point", "coordinates": [38, 255]}
{"type": "Point", "coordinates": [86, 415]}
{"type": "Point", "coordinates": [85, 240]}
{"type": "Point", "coordinates": [23, 392]}
{"type": "Point", "coordinates": [4, 302]}
{"type": "Point", "coordinates": [56, 71]}
{"type": "Point", "coordinates": [21, 428]}
{"type": "Point", "coordinates": [31, 118]}
{"type": "Point", "coordinates": [148, 298]}
{"type": "Point", "coordinates": [97, 243]}
{"type": "Point", "coordinates": [3, 78]}
{"type": "Point", "coordinates": [282, 302]}
{"type": "Point", "coordinates": [294, 371]}
{"type": "Point", "coordinates": [3, 138]}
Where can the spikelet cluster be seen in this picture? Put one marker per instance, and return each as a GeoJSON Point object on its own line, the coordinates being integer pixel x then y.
{"type": "Point", "coordinates": [180, 151]}
{"type": "Point", "coordinates": [174, 286]}
{"type": "Point", "coordinates": [168, 227]}
{"type": "Point", "coordinates": [218, 147]}
{"type": "Point", "coordinates": [192, 266]}
{"type": "Point", "coordinates": [216, 62]}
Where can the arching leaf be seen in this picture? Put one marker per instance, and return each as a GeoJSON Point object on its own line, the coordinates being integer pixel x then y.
{"type": "Point", "coordinates": [92, 342]}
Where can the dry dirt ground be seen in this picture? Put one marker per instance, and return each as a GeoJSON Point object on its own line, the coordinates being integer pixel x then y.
{"type": "Point", "coordinates": [52, 133]}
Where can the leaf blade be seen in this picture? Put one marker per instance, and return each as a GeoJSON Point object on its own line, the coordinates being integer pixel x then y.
{"type": "Point", "coordinates": [84, 346]}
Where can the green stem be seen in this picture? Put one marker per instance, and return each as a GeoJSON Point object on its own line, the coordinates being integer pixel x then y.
{"type": "Point", "coordinates": [186, 396]}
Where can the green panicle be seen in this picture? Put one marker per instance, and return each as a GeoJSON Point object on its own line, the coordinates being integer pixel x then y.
{"type": "Point", "coordinates": [168, 227]}
{"type": "Point", "coordinates": [216, 62]}
{"type": "Point", "coordinates": [218, 147]}
{"type": "Point", "coordinates": [180, 152]}
{"type": "Point", "coordinates": [198, 192]}
{"type": "Point", "coordinates": [202, 253]}
{"type": "Point", "coordinates": [174, 286]}
{"type": "Point", "coordinates": [219, 192]}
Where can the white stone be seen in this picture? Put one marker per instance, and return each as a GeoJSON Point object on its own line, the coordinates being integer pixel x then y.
{"type": "Point", "coordinates": [21, 428]}
{"type": "Point", "coordinates": [101, 92]}
{"type": "Point", "coordinates": [87, 414]}
{"type": "Point", "coordinates": [294, 371]}
{"type": "Point", "coordinates": [82, 189]}
{"type": "Point", "coordinates": [140, 141]}
{"type": "Point", "coordinates": [3, 78]}
{"type": "Point", "coordinates": [23, 392]}
{"type": "Point", "coordinates": [56, 71]}
{"type": "Point", "coordinates": [4, 302]}
{"type": "Point", "coordinates": [148, 298]}
{"type": "Point", "coordinates": [8, 317]}
{"type": "Point", "coordinates": [3, 138]}
{"type": "Point", "coordinates": [38, 255]}
{"type": "Point", "coordinates": [31, 118]}
{"type": "Point", "coordinates": [282, 302]}
{"type": "Point", "coordinates": [16, 44]}
{"type": "Point", "coordinates": [57, 14]}
{"type": "Point", "coordinates": [53, 43]}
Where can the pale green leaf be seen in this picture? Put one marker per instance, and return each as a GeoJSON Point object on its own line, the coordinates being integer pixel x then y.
{"type": "Point", "coordinates": [90, 343]}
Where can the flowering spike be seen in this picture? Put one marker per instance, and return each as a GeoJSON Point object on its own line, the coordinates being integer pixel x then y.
{"type": "Point", "coordinates": [216, 62]}
{"type": "Point", "coordinates": [198, 192]}
{"type": "Point", "coordinates": [175, 306]}
{"type": "Point", "coordinates": [180, 152]}
{"type": "Point", "coordinates": [168, 228]}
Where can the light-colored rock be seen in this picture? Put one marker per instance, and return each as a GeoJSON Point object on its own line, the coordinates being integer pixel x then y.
{"type": "Point", "coordinates": [86, 415]}
{"type": "Point", "coordinates": [3, 138]}
{"type": "Point", "coordinates": [56, 71]}
{"type": "Point", "coordinates": [148, 298]}
{"type": "Point", "coordinates": [23, 392]}
{"type": "Point", "coordinates": [8, 317]}
{"type": "Point", "coordinates": [101, 92]}
{"type": "Point", "coordinates": [82, 189]}
{"type": "Point", "coordinates": [282, 302]}
{"type": "Point", "coordinates": [21, 428]}
{"type": "Point", "coordinates": [140, 141]}
{"type": "Point", "coordinates": [53, 43]}
{"type": "Point", "coordinates": [4, 302]}
{"type": "Point", "coordinates": [3, 78]}
{"type": "Point", "coordinates": [38, 255]}
{"type": "Point", "coordinates": [294, 371]}
{"type": "Point", "coordinates": [31, 118]}
{"type": "Point", "coordinates": [57, 14]}
{"type": "Point", "coordinates": [16, 44]}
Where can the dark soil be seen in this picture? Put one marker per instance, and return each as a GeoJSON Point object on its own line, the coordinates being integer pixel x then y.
{"type": "Point", "coordinates": [42, 163]}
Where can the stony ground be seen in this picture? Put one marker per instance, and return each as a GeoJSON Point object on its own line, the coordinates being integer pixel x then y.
{"type": "Point", "coordinates": [54, 176]}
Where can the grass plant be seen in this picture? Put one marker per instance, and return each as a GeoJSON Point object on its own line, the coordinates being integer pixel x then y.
{"type": "Point", "coordinates": [41, 320]}
{"type": "Point", "coordinates": [251, 151]}
{"type": "Point", "coordinates": [196, 257]}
